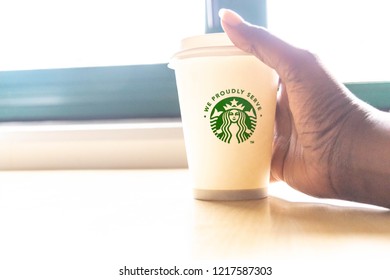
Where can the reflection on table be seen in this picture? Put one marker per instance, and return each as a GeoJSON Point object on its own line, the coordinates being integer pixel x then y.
{"type": "Point", "coordinates": [97, 221]}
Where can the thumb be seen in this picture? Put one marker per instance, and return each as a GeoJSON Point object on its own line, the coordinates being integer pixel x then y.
{"type": "Point", "coordinates": [273, 51]}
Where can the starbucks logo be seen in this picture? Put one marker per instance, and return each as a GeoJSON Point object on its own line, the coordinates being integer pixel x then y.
{"type": "Point", "coordinates": [233, 119]}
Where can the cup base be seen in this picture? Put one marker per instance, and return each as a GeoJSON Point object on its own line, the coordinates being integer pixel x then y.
{"type": "Point", "coordinates": [246, 194]}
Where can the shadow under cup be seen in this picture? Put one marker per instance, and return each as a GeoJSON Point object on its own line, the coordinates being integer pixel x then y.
{"type": "Point", "coordinates": [227, 100]}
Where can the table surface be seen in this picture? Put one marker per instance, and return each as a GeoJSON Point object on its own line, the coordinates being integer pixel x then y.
{"type": "Point", "coordinates": [94, 222]}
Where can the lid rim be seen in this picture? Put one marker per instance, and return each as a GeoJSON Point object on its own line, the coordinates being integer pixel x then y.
{"type": "Point", "coordinates": [210, 51]}
{"type": "Point", "coordinates": [205, 40]}
{"type": "Point", "coordinates": [206, 45]}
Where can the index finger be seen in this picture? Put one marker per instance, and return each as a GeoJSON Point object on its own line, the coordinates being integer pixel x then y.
{"type": "Point", "coordinates": [272, 50]}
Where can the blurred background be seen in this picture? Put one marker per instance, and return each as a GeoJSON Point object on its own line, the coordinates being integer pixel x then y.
{"type": "Point", "coordinates": [99, 67]}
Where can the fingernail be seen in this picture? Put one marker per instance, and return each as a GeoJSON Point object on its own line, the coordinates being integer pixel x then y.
{"type": "Point", "coordinates": [230, 17]}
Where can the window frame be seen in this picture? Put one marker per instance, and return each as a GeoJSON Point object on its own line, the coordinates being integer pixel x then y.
{"type": "Point", "coordinates": [91, 93]}
{"type": "Point", "coordinates": [376, 94]}
{"type": "Point", "coordinates": [113, 93]}
{"type": "Point", "coordinates": [125, 92]}
{"type": "Point", "coordinates": [105, 93]}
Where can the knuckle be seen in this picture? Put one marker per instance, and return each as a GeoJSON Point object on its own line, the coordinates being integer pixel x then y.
{"type": "Point", "coordinates": [301, 63]}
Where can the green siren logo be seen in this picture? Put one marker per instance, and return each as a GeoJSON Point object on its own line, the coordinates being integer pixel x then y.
{"type": "Point", "coordinates": [233, 118]}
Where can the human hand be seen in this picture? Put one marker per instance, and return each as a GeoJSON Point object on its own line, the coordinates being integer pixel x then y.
{"type": "Point", "coordinates": [320, 126]}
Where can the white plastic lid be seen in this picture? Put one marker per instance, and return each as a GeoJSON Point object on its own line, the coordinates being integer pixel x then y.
{"type": "Point", "coordinates": [206, 40]}
{"type": "Point", "coordinates": [212, 44]}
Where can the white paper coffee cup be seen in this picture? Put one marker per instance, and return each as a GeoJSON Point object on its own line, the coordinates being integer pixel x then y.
{"type": "Point", "coordinates": [227, 101]}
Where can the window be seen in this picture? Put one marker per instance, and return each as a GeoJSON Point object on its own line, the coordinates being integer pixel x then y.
{"type": "Point", "coordinates": [349, 36]}
{"type": "Point", "coordinates": [109, 56]}
{"type": "Point", "coordinates": [44, 34]}
{"type": "Point", "coordinates": [96, 60]}
{"type": "Point", "coordinates": [95, 35]}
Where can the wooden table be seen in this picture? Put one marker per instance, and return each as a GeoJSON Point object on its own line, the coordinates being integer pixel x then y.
{"type": "Point", "coordinates": [89, 224]}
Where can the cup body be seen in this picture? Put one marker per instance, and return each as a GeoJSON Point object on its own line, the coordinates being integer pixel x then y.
{"type": "Point", "coordinates": [227, 102]}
